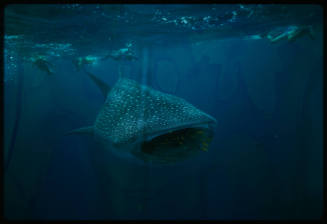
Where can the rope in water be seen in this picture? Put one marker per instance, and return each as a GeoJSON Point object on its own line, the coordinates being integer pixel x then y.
{"type": "Point", "coordinates": [19, 96]}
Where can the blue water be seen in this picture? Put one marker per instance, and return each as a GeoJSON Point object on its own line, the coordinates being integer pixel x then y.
{"type": "Point", "coordinates": [265, 160]}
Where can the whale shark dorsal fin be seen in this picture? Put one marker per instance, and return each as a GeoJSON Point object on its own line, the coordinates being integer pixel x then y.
{"type": "Point", "coordinates": [83, 131]}
{"type": "Point", "coordinates": [104, 87]}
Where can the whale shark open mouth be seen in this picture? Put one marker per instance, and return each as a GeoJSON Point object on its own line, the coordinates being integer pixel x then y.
{"type": "Point", "coordinates": [176, 144]}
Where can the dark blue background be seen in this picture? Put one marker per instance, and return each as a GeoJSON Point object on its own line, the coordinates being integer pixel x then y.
{"type": "Point", "coordinates": [265, 161]}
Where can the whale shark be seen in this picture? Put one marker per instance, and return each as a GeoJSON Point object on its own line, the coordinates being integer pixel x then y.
{"type": "Point", "coordinates": [149, 125]}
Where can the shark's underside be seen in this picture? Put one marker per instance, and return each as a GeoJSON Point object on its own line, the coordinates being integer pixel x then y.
{"type": "Point", "coordinates": [148, 124]}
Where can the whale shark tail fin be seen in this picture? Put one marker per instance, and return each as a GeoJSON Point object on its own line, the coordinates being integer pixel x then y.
{"type": "Point", "coordinates": [104, 87]}
{"type": "Point", "coordinates": [83, 131]}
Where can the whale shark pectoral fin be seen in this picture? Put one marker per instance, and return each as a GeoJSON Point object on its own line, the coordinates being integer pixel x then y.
{"type": "Point", "coordinates": [104, 87]}
{"type": "Point", "coordinates": [83, 131]}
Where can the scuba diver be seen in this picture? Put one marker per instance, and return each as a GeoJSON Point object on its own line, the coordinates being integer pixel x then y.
{"type": "Point", "coordinates": [301, 31]}
{"type": "Point", "coordinates": [42, 64]}
{"type": "Point", "coordinates": [291, 33]}
{"type": "Point", "coordinates": [87, 60]}
{"type": "Point", "coordinates": [123, 54]}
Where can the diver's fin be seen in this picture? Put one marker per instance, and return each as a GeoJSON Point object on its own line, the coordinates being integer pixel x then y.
{"type": "Point", "coordinates": [106, 57]}
{"type": "Point", "coordinates": [49, 72]}
{"type": "Point", "coordinates": [83, 131]}
{"type": "Point", "coordinates": [102, 85]}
